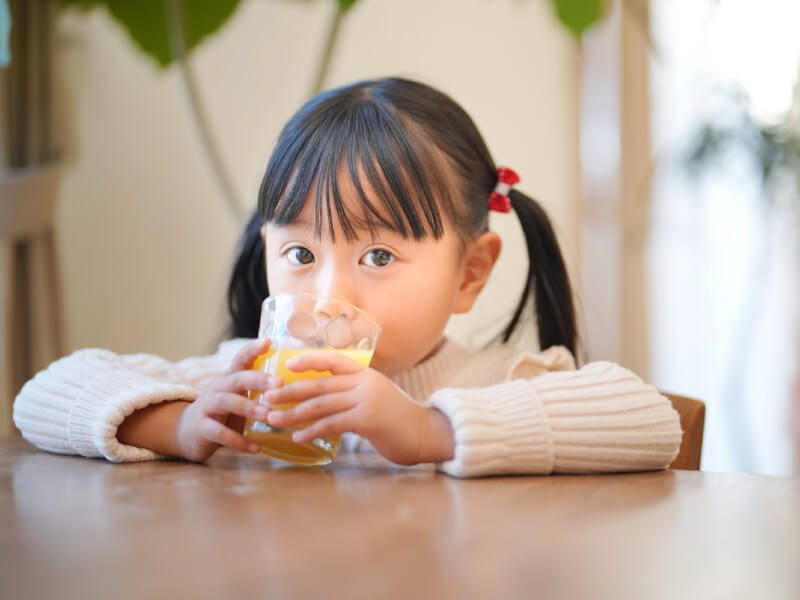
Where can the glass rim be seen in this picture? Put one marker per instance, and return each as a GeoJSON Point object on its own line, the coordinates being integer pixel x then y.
{"type": "Point", "coordinates": [309, 295]}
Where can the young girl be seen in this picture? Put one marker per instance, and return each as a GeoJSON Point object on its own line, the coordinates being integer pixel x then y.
{"type": "Point", "coordinates": [378, 193]}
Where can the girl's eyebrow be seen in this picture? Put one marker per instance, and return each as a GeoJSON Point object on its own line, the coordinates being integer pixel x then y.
{"type": "Point", "coordinates": [298, 223]}
{"type": "Point", "coordinates": [301, 223]}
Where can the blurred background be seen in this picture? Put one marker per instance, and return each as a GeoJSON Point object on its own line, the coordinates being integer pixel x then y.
{"type": "Point", "coordinates": [661, 136]}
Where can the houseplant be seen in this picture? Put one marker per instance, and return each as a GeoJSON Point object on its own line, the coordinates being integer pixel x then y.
{"type": "Point", "coordinates": [166, 31]}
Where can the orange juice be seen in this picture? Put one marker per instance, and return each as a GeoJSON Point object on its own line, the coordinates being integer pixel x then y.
{"type": "Point", "coordinates": [278, 442]}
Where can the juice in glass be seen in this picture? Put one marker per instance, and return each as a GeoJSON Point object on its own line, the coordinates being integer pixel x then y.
{"type": "Point", "coordinates": [297, 324]}
{"type": "Point", "coordinates": [278, 443]}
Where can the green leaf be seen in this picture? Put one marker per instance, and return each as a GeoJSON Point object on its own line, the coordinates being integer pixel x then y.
{"type": "Point", "coordinates": [346, 5]}
{"type": "Point", "coordinates": [147, 24]}
{"type": "Point", "coordinates": [202, 18]}
{"type": "Point", "coordinates": [579, 15]}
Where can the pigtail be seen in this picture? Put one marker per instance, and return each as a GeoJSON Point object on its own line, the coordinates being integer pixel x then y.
{"type": "Point", "coordinates": [247, 287]}
{"type": "Point", "coordinates": [547, 283]}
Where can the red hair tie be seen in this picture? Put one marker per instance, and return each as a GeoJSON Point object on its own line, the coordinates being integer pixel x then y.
{"type": "Point", "coordinates": [498, 199]}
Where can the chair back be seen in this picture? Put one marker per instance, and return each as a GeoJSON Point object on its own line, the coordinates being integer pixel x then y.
{"type": "Point", "coordinates": [693, 416]}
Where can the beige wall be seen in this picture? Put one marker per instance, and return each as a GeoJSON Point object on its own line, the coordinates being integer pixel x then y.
{"type": "Point", "coordinates": [144, 237]}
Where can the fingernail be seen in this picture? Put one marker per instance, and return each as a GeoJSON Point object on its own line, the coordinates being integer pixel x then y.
{"type": "Point", "coordinates": [253, 448]}
{"type": "Point", "coordinates": [275, 418]}
{"type": "Point", "coordinates": [261, 412]}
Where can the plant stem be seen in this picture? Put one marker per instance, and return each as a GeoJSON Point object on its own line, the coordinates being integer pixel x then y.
{"type": "Point", "coordinates": [327, 52]}
{"type": "Point", "coordinates": [200, 115]}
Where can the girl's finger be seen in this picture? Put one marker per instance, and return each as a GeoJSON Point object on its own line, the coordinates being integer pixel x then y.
{"type": "Point", "coordinates": [248, 354]}
{"type": "Point", "coordinates": [226, 403]}
{"type": "Point", "coordinates": [300, 391]}
{"type": "Point", "coordinates": [243, 381]}
{"type": "Point", "coordinates": [335, 362]}
{"type": "Point", "coordinates": [216, 432]}
{"type": "Point", "coordinates": [335, 424]}
{"type": "Point", "coordinates": [311, 410]}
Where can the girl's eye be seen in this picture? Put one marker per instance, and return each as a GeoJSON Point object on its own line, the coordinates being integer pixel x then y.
{"type": "Point", "coordinates": [378, 258]}
{"type": "Point", "coordinates": [300, 256]}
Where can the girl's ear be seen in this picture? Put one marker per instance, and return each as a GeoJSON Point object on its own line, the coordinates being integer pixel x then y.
{"type": "Point", "coordinates": [482, 255]}
{"type": "Point", "coordinates": [263, 232]}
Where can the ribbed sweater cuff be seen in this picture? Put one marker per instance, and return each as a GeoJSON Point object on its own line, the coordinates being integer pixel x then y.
{"type": "Point", "coordinates": [603, 418]}
{"type": "Point", "coordinates": [106, 403]}
{"type": "Point", "coordinates": [497, 429]}
{"type": "Point", "coordinates": [76, 405]}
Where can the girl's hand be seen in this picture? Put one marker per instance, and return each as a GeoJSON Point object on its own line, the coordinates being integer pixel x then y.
{"type": "Point", "coordinates": [205, 424]}
{"type": "Point", "coordinates": [360, 400]}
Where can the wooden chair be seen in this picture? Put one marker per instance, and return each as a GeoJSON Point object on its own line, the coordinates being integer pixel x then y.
{"type": "Point", "coordinates": [693, 416]}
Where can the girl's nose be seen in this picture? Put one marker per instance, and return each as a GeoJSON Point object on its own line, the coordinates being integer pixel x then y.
{"type": "Point", "coordinates": [336, 291]}
{"type": "Point", "coordinates": [333, 307]}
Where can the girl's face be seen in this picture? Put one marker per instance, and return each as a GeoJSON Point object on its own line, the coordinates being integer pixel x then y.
{"type": "Point", "coordinates": [409, 287]}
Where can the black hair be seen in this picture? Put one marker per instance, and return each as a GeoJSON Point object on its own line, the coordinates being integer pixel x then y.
{"type": "Point", "coordinates": [425, 163]}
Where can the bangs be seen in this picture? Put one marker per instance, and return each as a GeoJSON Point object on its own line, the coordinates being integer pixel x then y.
{"type": "Point", "coordinates": [354, 141]}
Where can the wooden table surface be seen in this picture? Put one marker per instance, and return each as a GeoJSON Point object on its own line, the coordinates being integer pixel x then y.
{"type": "Point", "coordinates": [245, 527]}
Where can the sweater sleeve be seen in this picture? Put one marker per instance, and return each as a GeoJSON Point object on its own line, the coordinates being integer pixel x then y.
{"type": "Point", "coordinates": [600, 418]}
{"type": "Point", "coordinates": [76, 404]}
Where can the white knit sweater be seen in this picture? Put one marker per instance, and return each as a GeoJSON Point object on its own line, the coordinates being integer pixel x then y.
{"type": "Point", "coordinates": [511, 412]}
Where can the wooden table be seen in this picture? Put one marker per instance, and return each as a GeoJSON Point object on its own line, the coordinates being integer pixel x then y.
{"type": "Point", "coordinates": [245, 527]}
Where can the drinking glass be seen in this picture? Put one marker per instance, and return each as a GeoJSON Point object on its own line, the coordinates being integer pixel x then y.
{"type": "Point", "coordinates": [297, 324]}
